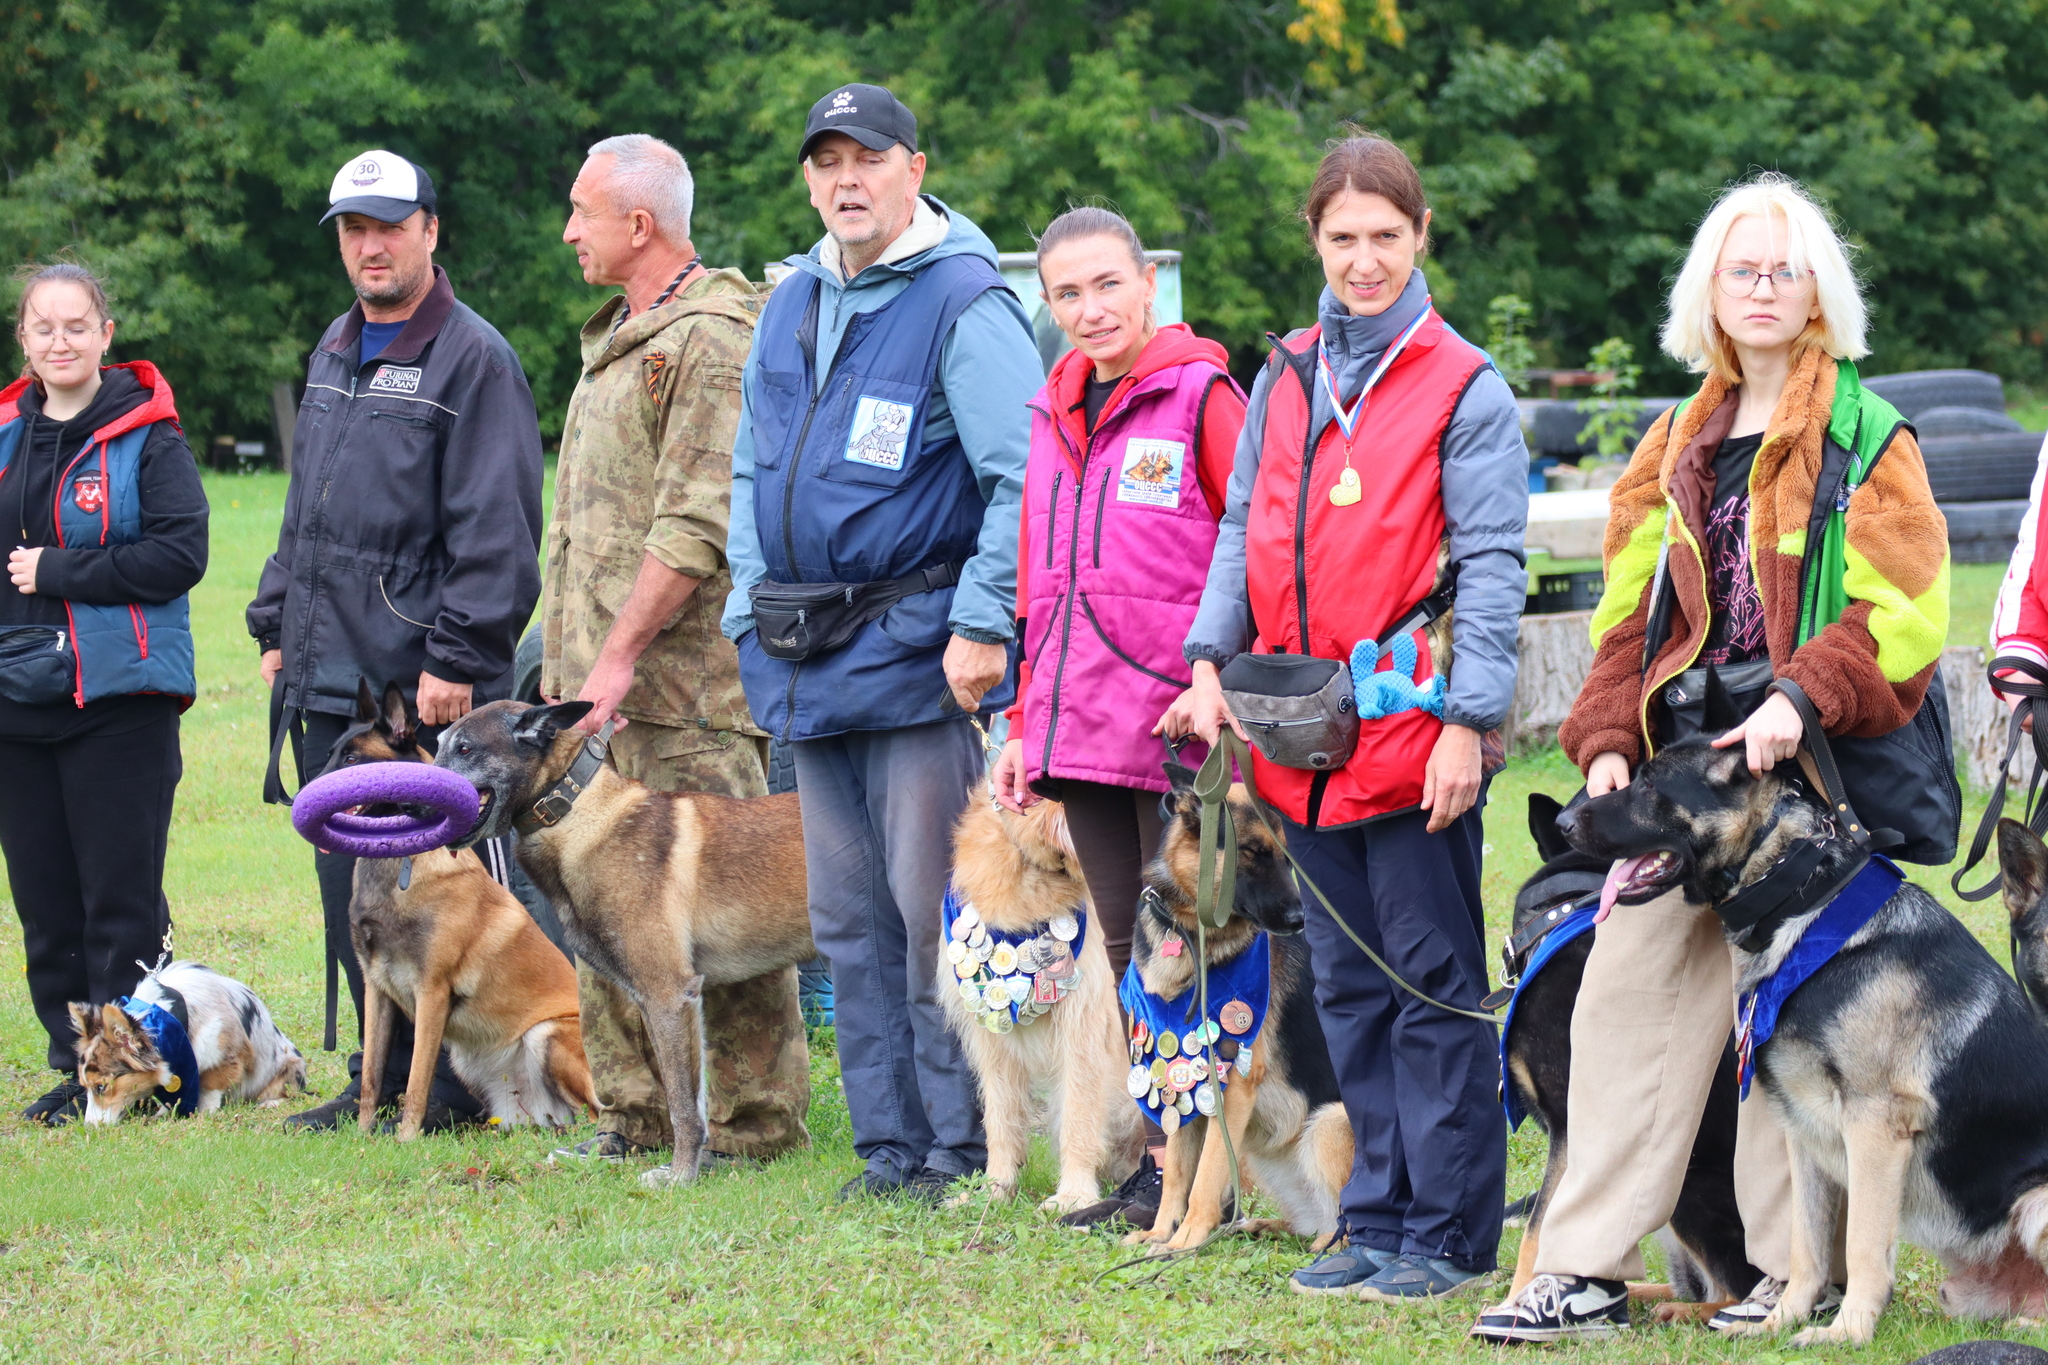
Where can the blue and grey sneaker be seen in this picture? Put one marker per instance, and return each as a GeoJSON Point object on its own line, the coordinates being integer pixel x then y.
{"type": "Point", "coordinates": [1341, 1270]}
{"type": "Point", "coordinates": [1558, 1308]}
{"type": "Point", "coordinates": [1417, 1277]}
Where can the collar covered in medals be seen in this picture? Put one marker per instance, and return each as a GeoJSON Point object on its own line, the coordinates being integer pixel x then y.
{"type": "Point", "coordinates": [556, 802]}
{"type": "Point", "coordinates": [1179, 1062]}
{"type": "Point", "coordinates": [1010, 979]}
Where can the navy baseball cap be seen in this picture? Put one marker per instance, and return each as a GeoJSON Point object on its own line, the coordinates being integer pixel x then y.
{"type": "Point", "coordinates": [868, 114]}
{"type": "Point", "coordinates": [381, 185]}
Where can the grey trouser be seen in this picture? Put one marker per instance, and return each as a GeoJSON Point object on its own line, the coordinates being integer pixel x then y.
{"type": "Point", "coordinates": [879, 808]}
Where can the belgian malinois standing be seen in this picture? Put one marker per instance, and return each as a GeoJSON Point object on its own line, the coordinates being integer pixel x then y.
{"type": "Point", "coordinates": [439, 939]}
{"type": "Point", "coordinates": [663, 893]}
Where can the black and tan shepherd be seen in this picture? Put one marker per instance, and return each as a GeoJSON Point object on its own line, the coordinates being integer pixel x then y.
{"type": "Point", "coordinates": [1703, 1243]}
{"type": "Point", "coordinates": [664, 893]}
{"type": "Point", "coordinates": [1283, 1112]}
{"type": "Point", "coordinates": [1909, 1072]}
{"type": "Point", "coordinates": [441, 940]}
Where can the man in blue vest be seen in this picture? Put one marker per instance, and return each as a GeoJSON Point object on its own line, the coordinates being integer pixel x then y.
{"type": "Point", "coordinates": [876, 480]}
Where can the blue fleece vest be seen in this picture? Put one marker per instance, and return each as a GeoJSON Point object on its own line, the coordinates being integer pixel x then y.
{"type": "Point", "coordinates": [847, 489]}
{"type": "Point", "coordinates": [133, 646]}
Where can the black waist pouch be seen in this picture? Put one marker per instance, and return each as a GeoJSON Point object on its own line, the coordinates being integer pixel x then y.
{"type": "Point", "coordinates": [799, 621]}
{"type": "Point", "coordinates": [1685, 696]}
{"type": "Point", "coordinates": [36, 665]}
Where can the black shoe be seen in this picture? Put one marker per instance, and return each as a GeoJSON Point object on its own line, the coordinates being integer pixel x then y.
{"type": "Point", "coordinates": [604, 1147]}
{"type": "Point", "coordinates": [870, 1185]}
{"type": "Point", "coordinates": [60, 1104]}
{"type": "Point", "coordinates": [1558, 1308]}
{"type": "Point", "coordinates": [932, 1187]}
{"type": "Point", "coordinates": [441, 1117]}
{"type": "Point", "coordinates": [325, 1118]}
{"type": "Point", "coordinates": [1136, 1201]}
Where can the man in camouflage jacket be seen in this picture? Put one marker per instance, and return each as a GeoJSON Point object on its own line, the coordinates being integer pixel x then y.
{"type": "Point", "coordinates": [636, 577]}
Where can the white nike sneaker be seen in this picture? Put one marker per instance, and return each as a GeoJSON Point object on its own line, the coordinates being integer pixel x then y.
{"type": "Point", "coordinates": [1752, 1311]}
{"type": "Point", "coordinates": [1558, 1308]}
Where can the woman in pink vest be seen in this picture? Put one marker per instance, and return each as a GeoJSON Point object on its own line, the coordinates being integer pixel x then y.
{"type": "Point", "coordinates": [1132, 440]}
{"type": "Point", "coordinates": [1382, 466]}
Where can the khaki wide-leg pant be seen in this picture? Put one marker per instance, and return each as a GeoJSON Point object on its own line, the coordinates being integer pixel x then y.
{"type": "Point", "coordinates": [756, 1058]}
{"type": "Point", "coordinates": [1655, 1009]}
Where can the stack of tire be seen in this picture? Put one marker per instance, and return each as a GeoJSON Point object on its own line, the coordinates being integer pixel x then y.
{"type": "Point", "coordinates": [1556, 426]}
{"type": "Point", "coordinates": [1980, 462]}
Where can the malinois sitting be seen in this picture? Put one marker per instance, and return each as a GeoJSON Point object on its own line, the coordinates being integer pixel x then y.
{"type": "Point", "coordinates": [1704, 1241]}
{"type": "Point", "coordinates": [1280, 1104]}
{"type": "Point", "coordinates": [1017, 912]}
{"type": "Point", "coordinates": [439, 939]}
{"type": "Point", "coordinates": [662, 892]}
{"type": "Point", "coordinates": [1909, 1072]}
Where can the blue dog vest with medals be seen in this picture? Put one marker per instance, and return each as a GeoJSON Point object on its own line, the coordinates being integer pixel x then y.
{"type": "Point", "coordinates": [168, 1036]}
{"type": "Point", "coordinates": [1011, 979]}
{"type": "Point", "coordinates": [1838, 922]}
{"type": "Point", "coordinates": [1173, 1053]}
{"type": "Point", "coordinates": [1570, 927]}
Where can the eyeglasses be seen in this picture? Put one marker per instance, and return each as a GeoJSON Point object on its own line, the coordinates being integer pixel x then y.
{"type": "Point", "coordinates": [42, 335]}
{"type": "Point", "coordinates": [1740, 281]}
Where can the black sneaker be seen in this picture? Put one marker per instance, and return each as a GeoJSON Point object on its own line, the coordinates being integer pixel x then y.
{"type": "Point", "coordinates": [325, 1118]}
{"type": "Point", "coordinates": [932, 1187]}
{"type": "Point", "coordinates": [1136, 1201]}
{"type": "Point", "coordinates": [869, 1184]}
{"type": "Point", "coordinates": [58, 1105]}
{"type": "Point", "coordinates": [441, 1117]}
{"type": "Point", "coordinates": [1558, 1308]}
{"type": "Point", "coordinates": [603, 1147]}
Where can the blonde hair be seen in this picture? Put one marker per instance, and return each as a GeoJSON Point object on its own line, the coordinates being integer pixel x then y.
{"type": "Point", "coordinates": [1695, 339]}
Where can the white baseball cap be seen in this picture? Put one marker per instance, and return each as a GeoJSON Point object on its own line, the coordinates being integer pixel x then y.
{"type": "Point", "coordinates": [381, 185]}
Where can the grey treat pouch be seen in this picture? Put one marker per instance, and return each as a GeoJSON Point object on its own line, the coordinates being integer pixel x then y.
{"type": "Point", "coordinates": [1296, 708]}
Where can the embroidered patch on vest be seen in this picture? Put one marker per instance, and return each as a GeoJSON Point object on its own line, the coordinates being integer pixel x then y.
{"type": "Point", "coordinates": [1151, 473]}
{"type": "Point", "coordinates": [396, 379]}
{"type": "Point", "coordinates": [653, 366]}
{"type": "Point", "coordinates": [880, 434]}
{"type": "Point", "coordinates": [89, 492]}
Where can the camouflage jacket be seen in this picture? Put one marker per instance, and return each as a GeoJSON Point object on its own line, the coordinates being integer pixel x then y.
{"type": "Point", "coordinates": [646, 468]}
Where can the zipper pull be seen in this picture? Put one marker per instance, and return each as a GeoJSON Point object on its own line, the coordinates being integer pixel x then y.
{"type": "Point", "coordinates": [1842, 498]}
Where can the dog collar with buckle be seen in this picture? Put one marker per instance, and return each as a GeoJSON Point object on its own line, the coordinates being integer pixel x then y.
{"type": "Point", "coordinates": [556, 802]}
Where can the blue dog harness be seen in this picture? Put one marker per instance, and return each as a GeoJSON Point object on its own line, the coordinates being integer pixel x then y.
{"type": "Point", "coordinates": [1010, 979]}
{"type": "Point", "coordinates": [166, 1033]}
{"type": "Point", "coordinates": [1179, 1062]}
{"type": "Point", "coordinates": [1579, 921]}
{"type": "Point", "coordinates": [1838, 922]}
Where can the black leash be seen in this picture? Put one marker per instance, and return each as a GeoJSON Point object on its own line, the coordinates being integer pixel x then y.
{"type": "Point", "coordinates": [2033, 693]}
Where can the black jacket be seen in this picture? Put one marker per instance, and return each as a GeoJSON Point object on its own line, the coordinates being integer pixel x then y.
{"type": "Point", "coordinates": [411, 532]}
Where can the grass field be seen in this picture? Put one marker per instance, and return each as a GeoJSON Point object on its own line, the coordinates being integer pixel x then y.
{"type": "Point", "coordinates": [226, 1240]}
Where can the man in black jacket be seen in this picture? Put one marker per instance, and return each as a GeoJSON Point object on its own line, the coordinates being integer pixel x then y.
{"type": "Point", "coordinates": [411, 532]}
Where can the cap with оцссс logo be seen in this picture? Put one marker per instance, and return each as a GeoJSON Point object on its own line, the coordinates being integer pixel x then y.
{"type": "Point", "coordinates": [381, 185]}
{"type": "Point", "coordinates": [868, 114]}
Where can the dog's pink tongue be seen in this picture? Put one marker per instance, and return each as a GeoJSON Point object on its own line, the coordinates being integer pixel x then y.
{"type": "Point", "coordinates": [1617, 877]}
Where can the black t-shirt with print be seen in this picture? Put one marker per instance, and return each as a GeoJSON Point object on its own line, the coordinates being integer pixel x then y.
{"type": "Point", "coordinates": [1735, 630]}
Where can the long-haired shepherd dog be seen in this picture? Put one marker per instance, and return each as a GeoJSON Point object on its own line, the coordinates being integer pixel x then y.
{"type": "Point", "coordinates": [224, 1034]}
{"type": "Point", "coordinates": [1280, 1104]}
{"type": "Point", "coordinates": [441, 940]}
{"type": "Point", "coordinates": [1909, 1072]}
{"type": "Point", "coordinates": [1704, 1241]}
{"type": "Point", "coordinates": [1043, 1027]}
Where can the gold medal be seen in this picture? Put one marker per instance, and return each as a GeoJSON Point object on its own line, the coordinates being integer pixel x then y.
{"type": "Point", "coordinates": [1347, 490]}
{"type": "Point", "coordinates": [1169, 1045]}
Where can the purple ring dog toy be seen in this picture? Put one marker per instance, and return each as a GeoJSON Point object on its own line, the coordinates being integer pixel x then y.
{"type": "Point", "coordinates": [323, 811]}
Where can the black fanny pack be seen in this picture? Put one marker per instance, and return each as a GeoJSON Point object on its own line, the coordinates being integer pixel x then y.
{"type": "Point", "coordinates": [36, 665]}
{"type": "Point", "coordinates": [1685, 696]}
{"type": "Point", "coordinates": [799, 621]}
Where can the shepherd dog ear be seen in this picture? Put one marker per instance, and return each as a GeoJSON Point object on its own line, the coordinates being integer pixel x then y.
{"type": "Point", "coordinates": [116, 1023]}
{"type": "Point", "coordinates": [397, 719]}
{"type": "Point", "coordinates": [84, 1022]}
{"type": "Point", "coordinates": [1543, 813]}
{"type": "Point", "coordinates": [366, 702]}
{"type": "Point", "coordinates": [537, 726]}
{"type": "Point", "coordinates": [1721, 715]}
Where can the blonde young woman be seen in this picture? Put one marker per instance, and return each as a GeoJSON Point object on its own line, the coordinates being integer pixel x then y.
{"type": "Point", "coordinates": [1709, 563]}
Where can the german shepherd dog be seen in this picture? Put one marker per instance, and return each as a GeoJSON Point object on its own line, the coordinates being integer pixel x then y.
{"type": "Point", "coordinates": [1909, 1072]}
{"type": "Point", "coordinates": [1019, 873]}
{"type": "Point", "coordinates": [241, 1053]}
{"type": "Point", "coordinates": [1704, 1241]}
{"type": "Point", "coordinates": [441, 940]}
{"type": "Point", "coordinates": [1285, 1117]}
{"type": "Point", "coordinates": [664, 893]}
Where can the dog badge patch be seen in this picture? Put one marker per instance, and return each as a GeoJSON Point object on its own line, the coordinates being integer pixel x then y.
{"type": "Point", "coordinates": [89, 492]}
{"type": "Point", "coordinates": [396, 379]}
{"type": "Point", "coordinates": [1151, 473]}
{"type": "Point", "coordinates": [881, 433]}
